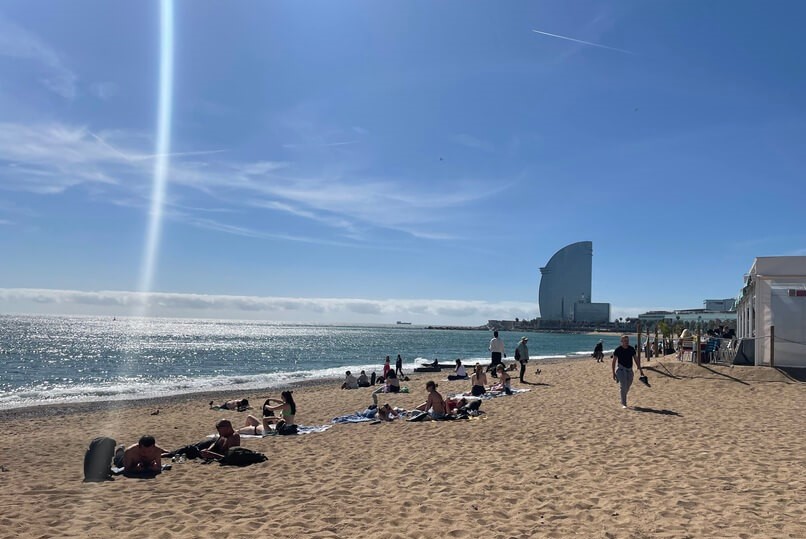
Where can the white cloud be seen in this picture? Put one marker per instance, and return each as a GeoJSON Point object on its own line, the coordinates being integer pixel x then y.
{"type": "Point", "coordinates": [17, 42]}
{"type": "Point", "coordinates": [51, 158]}
{"type": "Point", "coordinates": [274, 308]}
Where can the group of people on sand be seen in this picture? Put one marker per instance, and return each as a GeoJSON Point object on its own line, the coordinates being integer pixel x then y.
{"type": "Point", "coordinates": [278, 417]}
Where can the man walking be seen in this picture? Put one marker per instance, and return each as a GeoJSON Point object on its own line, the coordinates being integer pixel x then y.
{"type": "Point", "coordinates": [496, 351]}
{"type": "Point", "coordinates": [522, 356]}
{"type": "Point", "coordinates": [624, 355]}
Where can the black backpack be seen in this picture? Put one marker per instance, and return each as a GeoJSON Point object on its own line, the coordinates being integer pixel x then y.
{"type": "Point", "coordinates": [98, 459]}
{"type": "Point", "coordinates": [241, 456]}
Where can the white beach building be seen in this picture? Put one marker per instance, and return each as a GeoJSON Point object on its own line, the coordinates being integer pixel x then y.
{"type": "Point", "coordinates": [774, 296]}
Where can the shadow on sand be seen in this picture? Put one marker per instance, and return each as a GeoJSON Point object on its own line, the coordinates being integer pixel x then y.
{"type": "Point", "coordinates": [654, 411]}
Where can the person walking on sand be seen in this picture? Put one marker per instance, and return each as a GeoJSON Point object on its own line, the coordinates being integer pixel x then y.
{"type": "Point", "coordinates": [522, 357]}
{"type": "Point", "coordinates": [598, 352]}
{"type": "Point", "coordinates": [399, 366]}
{"type": "Point", "coordinates": [624, 356]}
{"type": "Point", "coordinates": [496, 351]}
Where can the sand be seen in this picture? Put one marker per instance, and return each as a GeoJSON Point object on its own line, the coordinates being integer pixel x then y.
{"type": "Point", "coordinates": [710, 452]}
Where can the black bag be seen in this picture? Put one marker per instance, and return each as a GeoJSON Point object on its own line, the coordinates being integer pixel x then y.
{"type": "Point", "coordinates": [98, 459]}
{"type": "Point", "coordinates": [241, 456]}
{"type": "Point", "coordinates": [284, 429]}
{"type": "Point", "coordinates": [517, 355]}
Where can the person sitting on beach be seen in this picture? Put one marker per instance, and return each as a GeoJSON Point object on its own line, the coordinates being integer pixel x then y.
{"type": "Point", "coordinates": [363, 381]}
{"type": "Point", "coordinates": [455, 405]}
{"type": "Point", "coordinates": [238, 404]}
{"type": "Point", "coordinates": [288, 411]}
{"type": "Point", "coordinates": [478, 382]}
{"type": "Point", "coordinates": [435, 405]}
{"type": "Point", "coordinates": [144, 456]}
{"type": "Point", "coordinates": [505, 381]}
{"type": "Point", "coordinates": [372, 378]}
{"type": "Point", "coordinates": [350, 381]}
{"type": "Point", "coordinates": [390, 385]}
{"type": "Point", "coordinates": [459, 373]}
{"type": "Point", "coordinates": [227, 437]}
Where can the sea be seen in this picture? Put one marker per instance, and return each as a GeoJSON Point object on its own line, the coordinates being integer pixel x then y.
{"type": "Point", "coordinates": [70, 359]}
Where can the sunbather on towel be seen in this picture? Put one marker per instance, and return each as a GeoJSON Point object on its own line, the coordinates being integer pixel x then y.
{"type": "Point", "coordinates": [386, 413]}
{"type": "Point", "coordinates": [256, 427]}
{"type": "Point", "coordinates": [478, 382]}
{"type": "Point", "coordinates": [144, 456]}
{"type": "Point", "coordinates": [435, 405]}
{"type": "Point", "coordinates": [238, 404]}
{"type": "Point", "coordinates": [505, 383]}
{"type": "Point", "coordinates": [227, 437]}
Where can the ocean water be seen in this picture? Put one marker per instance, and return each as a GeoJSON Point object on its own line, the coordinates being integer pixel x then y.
{"type": "Point", "coordinates": [52, 359]}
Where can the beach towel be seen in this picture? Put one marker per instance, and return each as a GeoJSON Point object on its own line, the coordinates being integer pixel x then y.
{"type": "Point", "coordinates": [357, 417]}
{"type": "Point", "coordinates": [301, 429]}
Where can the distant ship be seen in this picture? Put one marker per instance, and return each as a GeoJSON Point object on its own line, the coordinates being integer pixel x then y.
{"type": "Point", "coordinates": [403, 323]}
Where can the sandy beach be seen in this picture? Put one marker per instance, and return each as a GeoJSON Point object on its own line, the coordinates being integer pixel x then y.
{"type": "Point", "coordinates": [707, 452]}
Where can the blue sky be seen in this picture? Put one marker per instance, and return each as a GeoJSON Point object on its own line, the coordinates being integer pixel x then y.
{"type": "Point", "coordinates": [373, 161]}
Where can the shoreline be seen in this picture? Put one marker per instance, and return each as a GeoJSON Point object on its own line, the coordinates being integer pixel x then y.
{"type": "Point", "coordinates": [52, 409]}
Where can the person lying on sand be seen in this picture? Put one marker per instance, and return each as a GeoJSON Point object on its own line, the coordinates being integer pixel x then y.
{"type": "Point", "coordinates": [386, 413]}
{"type": "Point", "coordinates": [227, 437]}
{"type": "Point", "coordinates": [238, 404]}
{"type": "Point", "coordinates": [144, 456]}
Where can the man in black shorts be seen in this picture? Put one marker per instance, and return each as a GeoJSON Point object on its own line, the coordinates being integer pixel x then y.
{"type": "Point", "coordinates": [624, 355]}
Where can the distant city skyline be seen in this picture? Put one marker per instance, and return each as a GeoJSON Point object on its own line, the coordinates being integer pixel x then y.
{"type": "Point", "coordinates": [370, 162]}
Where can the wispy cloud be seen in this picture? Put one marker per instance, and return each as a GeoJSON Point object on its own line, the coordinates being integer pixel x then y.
{"type": "Point", "coordinates": [582, 42]}
{"type": "Point", "coordinates": [422, 310]}
{"type": "Point", "coordinates": [51, 158]}
{"type": "Point", "coordinates": [17, 42]}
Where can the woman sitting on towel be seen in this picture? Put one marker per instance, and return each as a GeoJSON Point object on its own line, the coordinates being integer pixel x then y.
{"type": "Point", "coordinates": [505, 383]}
{"type": "Point", "coordinates": [390, 385]}
{"type": "Point", "coordinates": [287, 409]}
{"type": "Point", "coordinates": [459, 373]}
{"type": "Point", "coordinates": [478, 382]}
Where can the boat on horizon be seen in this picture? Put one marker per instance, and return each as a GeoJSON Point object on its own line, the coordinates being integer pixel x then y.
{"type": "Point", "coordinates": [403, 323]}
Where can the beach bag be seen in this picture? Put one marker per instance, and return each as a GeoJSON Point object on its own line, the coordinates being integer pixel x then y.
{"type": "Point", "coordinates": [98, 459]}
{"type": "Point", "coordinates": [241, 456]}
{"type": "Point", "coordinates": [284, 429]}
{"type": "Point", "coordinates": [517, 355]}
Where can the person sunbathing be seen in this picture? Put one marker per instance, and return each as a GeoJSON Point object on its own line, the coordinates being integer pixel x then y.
{"type": "Point", "coordinates": [478, 382]}
{"type": "Point", "coordinates": [505, 381]}
{"type": "Point", "coordinates": [434, 405]}
{"type": "Point", "coordinates": [227, 437]}
{"type": "Point", "coordinates": [144, 456]}
{"type": "Point", "coordinates": [386, 413]}
{"type": "Point", "coordinates": [238, 404]}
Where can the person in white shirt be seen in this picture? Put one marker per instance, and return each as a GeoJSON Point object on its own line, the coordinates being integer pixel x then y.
{"type": "Point", "coordinates": [350, 381]}
{"type": "Point", "coordinates": [459, 373]}
{"type": "Point", "coordinates": [496, 351]}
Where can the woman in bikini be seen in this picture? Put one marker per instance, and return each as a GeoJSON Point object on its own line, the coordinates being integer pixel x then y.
{"type": "Point", "coordinates": [505, 383]}
{"type": "Point", "coordinates": [478, 382]}
{"type": "Point", "coordinates": [287, 409]}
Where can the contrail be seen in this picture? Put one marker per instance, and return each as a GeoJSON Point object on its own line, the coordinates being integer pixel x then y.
{"type": "Point", "coordinates": [583, 42]}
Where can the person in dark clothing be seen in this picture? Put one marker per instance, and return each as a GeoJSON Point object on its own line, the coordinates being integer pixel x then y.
{"type": "Point", "coordinates": [399, 366]}
{"type": "Point", "coordinates": [598, 352]}
{"type": "Point", "coordinates": [624, 356]}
